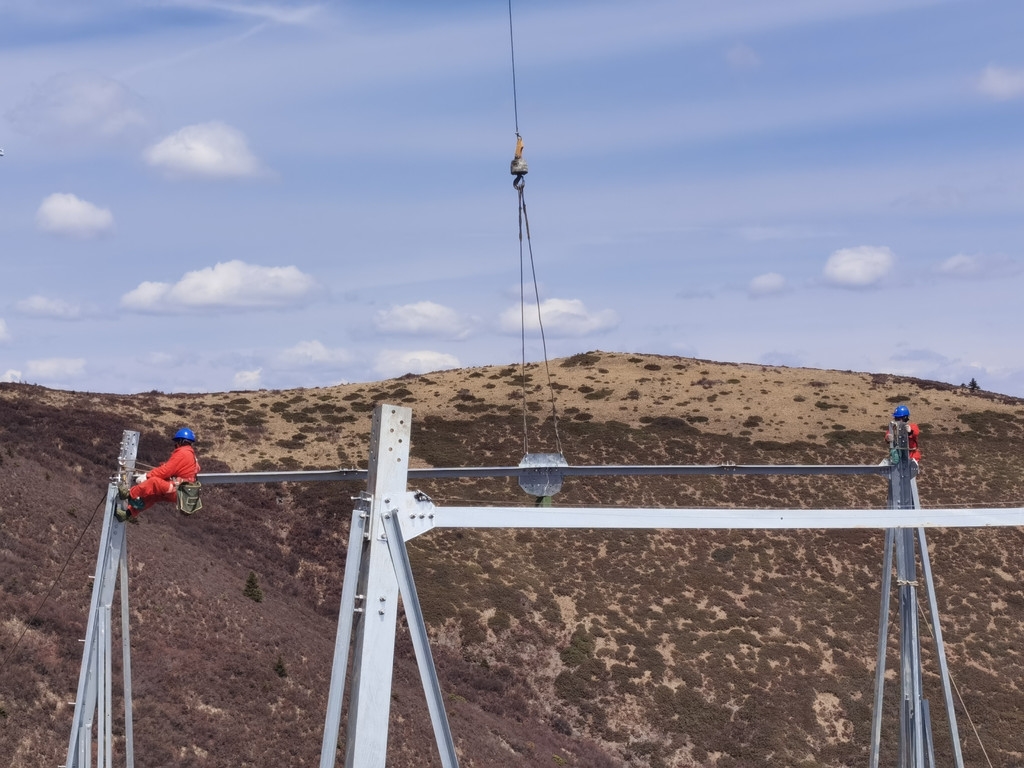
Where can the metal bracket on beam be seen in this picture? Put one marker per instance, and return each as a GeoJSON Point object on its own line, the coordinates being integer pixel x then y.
{"type": "Point", "coordinates": [543, 475]}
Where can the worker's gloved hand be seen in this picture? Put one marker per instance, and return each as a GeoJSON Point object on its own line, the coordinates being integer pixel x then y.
{"type": "Point", "coordinates": [140, 478]}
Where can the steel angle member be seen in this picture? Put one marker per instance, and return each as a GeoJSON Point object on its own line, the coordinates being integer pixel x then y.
{"type": "Point", "coordinates": [542, 473]}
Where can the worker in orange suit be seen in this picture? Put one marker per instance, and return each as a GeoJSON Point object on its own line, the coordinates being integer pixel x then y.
{"type": "Point", "coordinates": [160, 484]}
{"type": "Point", "coordinates": [902, 413]}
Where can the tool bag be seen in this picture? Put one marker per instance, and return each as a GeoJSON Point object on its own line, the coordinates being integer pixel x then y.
{"type": "Point", "coordinates": [189, 501]}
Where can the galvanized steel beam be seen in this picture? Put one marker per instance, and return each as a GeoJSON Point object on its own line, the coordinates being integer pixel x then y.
{"type": "Point", "coordinates": [373, 658]}
{"type": "Point", "coordinates": [528, 472]}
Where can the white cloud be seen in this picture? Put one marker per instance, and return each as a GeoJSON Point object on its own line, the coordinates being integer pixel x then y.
{"type": "Point", "coordinates": [11, 376]}
{"type": "Point", "coordinates": [965, 266]}
{"type": "Point", "coordinates": [55, 368]}
{"type": "Point", "coordinates": [65, 214]}
{"type": "Point", "coordinates": [778, 357]}
{"type": "Point", "coordinates": [227, 285]}
{"type": "Point", "coordinates": [743, 58]}
{"type": "Point", "coordinates": [923, 356]}
{"type": "Point", "coordinates": [277, 13]}
{"type": "Point", "coordinates": [80, 107]}
{"type": "Point", "coordinates": [1000, 83]}
{"type": "Point", "coordinates": [211, 150]}
{"type": "Point", "coordinates": [312, 354]}
{"type": "Point", "coordinates": [767, 284]}
{"type": "Point", "coordinates": [760, 234]}
{"type": "Point", "coordinates": [859, 267]}
{"type": "Point", "coordinates": [41, 306]}
{"type": "Point", "coordinates": [422, 318]}
{"type": "Point", "coordinates": [248, 379]}
{"type": "Point", "coordinates": [391, 362]}
{"type": "Point", "coordinates": [960, 265]}
{"type": "Point", "coordinates": [561, 317]}
{"type": "Point", "coordinates": [5, 335]}
{"type": "Point", "coordinates": [164, 359]}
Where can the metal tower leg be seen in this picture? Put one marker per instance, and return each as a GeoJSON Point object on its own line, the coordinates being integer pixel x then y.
{"type": "Point", "coordinates": [126, 660]}
{"type": "Point", "coordinates": [377, 571]}
{"type": "Point", "coordinates": [911, 725]}
{"type": "Point", "coordinates": [93, 700]}
{"type": "Point", "coordinates": [373, 659]}
{"type": "Point", "coordinates": [916, 744]}
{"type": "Point", "coordinates": [421, 644]}
{"type": "Point", "coordinates": [940, 649]}
{"type": "Point", "coordinates": [358, 531]}
{"type": "Point", "coordinates": [883, 641]}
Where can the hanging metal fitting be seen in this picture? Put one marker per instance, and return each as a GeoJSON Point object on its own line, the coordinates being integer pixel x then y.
{"type": "Point", "coordinates": [541, 475]}
{"type": "Point", "coordinates": [519, 168]}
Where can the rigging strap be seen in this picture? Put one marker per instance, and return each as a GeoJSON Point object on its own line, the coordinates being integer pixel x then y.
{"type": "Point", "coordinates": [519, 183]}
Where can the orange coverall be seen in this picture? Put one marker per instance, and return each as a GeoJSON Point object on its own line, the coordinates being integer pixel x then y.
{"type": "Point", "coordinates": [912, 434]}
{"type": "Point", "coordinates": [161, 484]}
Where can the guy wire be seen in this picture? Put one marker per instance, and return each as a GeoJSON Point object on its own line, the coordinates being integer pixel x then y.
{"type": "Point", "coordinates": [35, 615]}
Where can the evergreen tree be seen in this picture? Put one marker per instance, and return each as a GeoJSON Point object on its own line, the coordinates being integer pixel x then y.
{"type": "Point", "coordinates": [252, 588]}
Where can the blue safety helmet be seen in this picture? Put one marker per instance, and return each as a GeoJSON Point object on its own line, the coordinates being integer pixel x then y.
{"type": "Point", "coordinates": [901, 412]}
{"type": "Point", "coordinates": [185, 434]}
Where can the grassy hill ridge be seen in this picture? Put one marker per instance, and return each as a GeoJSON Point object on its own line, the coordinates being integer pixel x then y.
{"type": "Point", "coordinates": [554, 647]}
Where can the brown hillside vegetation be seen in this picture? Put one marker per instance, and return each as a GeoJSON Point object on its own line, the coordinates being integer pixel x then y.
{"type": "Point", "coordinates": [594, 649]}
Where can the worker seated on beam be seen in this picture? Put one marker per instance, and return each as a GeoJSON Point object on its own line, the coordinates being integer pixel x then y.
{"type": "Point", "coordinates": [902, 414]}
{"type": "Point", "coordinates": [160, 484]}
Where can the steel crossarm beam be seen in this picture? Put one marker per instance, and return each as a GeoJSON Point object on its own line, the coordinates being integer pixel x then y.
{"type": "Point", "coordinates": [440, 473]}
{"type": "Point", "coordinates": [422, 516]}
{"type": "Point", "coordinates": [301, 476]}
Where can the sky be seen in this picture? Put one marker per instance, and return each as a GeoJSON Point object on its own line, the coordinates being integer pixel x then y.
{"type": "Point", "coordinates": [201, 195]}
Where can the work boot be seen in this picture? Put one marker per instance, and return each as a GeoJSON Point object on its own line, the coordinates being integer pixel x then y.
{"type": "Point", "coordinates": [123, 490]}
{"type": "Point", "coordinates": [120, 512]}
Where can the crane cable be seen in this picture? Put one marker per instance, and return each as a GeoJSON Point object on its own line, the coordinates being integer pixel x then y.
{"type": "Point", "coordinates": [519, 170]}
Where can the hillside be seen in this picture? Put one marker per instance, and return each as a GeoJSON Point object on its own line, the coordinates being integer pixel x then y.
{"type": "Point", "coordinates": [554, 647]}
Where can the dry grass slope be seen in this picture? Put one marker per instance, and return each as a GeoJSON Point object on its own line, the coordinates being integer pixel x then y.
{"type": "Point", "coordinates": [554, 648]}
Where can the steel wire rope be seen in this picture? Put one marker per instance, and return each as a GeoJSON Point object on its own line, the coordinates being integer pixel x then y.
{"type": "Point", "coordinates": [959, 696]}
{"type": "Point", "coordinates": [512, 49]}
{"type": "Point", "coordinates": [525, 219]}
{"type": "Point", "coordinates": [49, 592]}
{"type": "Point", "coordinates": [519, 184]}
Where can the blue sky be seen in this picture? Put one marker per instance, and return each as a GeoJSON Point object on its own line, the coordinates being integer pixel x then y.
{"type": "Point", "coordinates": [207, 196]}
